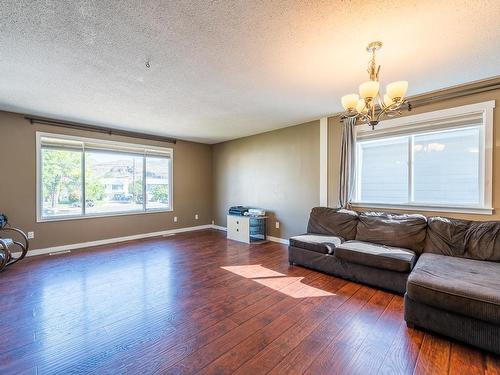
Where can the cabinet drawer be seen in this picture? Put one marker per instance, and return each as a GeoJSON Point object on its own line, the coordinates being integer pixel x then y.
{"type": "Point", "coordinates": [233, 223]}
{"type": "Point", "coordinates": [238, 228]}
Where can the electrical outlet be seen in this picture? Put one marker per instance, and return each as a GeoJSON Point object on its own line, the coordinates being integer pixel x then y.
{"type": "Point", "coordinates": [213, 222]}
{"type": "Point", "coordinates": [175, 219]}
{"type": "Point", "coordinates": [31, 235]}
{"type": "Point", "coordinates": [277, 225]}
{"type": "Point", "coordinates": [196, 217]}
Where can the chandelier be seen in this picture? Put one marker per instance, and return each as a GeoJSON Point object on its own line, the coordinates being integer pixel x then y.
{"type": "Point", "coordinates": [369, 107]}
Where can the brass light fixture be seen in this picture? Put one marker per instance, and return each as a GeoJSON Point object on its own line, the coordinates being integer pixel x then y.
{"type": "Point", "coordinates": [369, 106]}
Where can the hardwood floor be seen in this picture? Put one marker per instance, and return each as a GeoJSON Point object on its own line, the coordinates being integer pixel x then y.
{"type": "Point", "coordinates": [195, 302]}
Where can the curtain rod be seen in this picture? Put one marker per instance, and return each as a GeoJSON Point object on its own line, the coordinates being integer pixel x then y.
{"type": "Point", "coordinates": [420, 100]}
{"type": "Point", "coordinates": [466, 91]}
{"type": "Point", "coordinates": [98, 129]}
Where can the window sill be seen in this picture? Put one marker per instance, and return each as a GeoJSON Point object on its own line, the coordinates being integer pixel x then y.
{"type": "Point", "coordinates": [411, 207]}
{"type": "Point", "coordinates": [80, 217]}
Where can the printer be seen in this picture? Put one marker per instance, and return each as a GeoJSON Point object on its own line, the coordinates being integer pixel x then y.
{"type": "Point", "coordinates": [256, 212]}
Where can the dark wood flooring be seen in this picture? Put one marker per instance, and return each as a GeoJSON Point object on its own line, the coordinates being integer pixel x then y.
{"type": "Point", "coordinates": [197, 303]}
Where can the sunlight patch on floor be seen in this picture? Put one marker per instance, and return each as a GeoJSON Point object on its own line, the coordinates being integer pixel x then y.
{"type": "Point", "coordinates": [252, 271]}
{"type": "Point", "coordinates": [291, 286]}
{"type": "Point", "coordinates": [294, 289]}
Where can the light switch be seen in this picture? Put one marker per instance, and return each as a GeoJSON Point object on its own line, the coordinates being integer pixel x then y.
{"type": "Point", "coordinates": [277, 225]}
{"type": "Point", "coordinates": [175, 219]}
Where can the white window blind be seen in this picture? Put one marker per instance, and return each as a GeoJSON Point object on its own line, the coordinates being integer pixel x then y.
{"type": "Point", "coordinates": [383, 170]}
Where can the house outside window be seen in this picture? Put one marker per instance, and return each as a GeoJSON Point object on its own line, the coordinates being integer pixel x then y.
{"type": "Point", "coordinates": [112, 178]}
{"type": "Point", "coordinates": [436, 161]}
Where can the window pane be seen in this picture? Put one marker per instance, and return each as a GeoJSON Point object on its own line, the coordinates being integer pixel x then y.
{"type": "Point", "coordinates": [157, 183]}
{"type": "Point", "coordinates": [446, 167]}
{"type": "Point", "coordinates": [383, 171]}
{"type": "Point", "coordinates": [113, 182]}
{"type": "Point", "coordinates": [61, 191]}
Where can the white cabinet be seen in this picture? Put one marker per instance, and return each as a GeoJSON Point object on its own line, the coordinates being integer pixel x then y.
{"type": "Point", "coordinates": [246, 228]}
{"type": "Point", "coordinates": [238, 228]}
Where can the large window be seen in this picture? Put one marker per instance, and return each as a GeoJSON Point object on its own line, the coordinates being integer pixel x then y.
{"type": "Point", "coordinates": [439, 161]}
{"type": "Point", "coordinates": [87, 177]}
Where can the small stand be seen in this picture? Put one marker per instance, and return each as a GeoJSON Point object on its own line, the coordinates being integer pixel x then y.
{"type": "Point", "coordinates": [248, 229]}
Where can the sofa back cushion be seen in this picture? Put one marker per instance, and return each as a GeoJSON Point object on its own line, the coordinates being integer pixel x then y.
{"type": "Point", "coordinates": [446, 236]}
{"type": "Point", "coordinates": [483, 241]}
{"type": "Point", "coordinates": [332, 221]}
{"type": "Point", "coordinates": [406, 230]}
{"type": "Point", "coordinates": [478, 240]}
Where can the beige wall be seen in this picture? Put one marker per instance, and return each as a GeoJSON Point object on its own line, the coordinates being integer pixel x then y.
{"type": "Point", "coordinates": [277, 171]}
{"type": "Point", "coordinates": [334, 145]}
{"type": "Point", "coordinates": [192, 189]}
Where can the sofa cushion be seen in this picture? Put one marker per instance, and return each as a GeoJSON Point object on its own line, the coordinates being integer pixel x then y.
{"type": "Point", "coordinates": [319, 243]}
{"type": "Point", "coordinates": [446, 236]}
{"type": "Point", "coordinates": [375, 255]}
{"type": "Point", "coordinates": [406, 231]}
{"type": "Point", "coordinates": [334, 222]}
{"type": "Point", "coordinates": [468, 239]}
{"type": "Point", "coordinates": [483, 241]}
{"type": "Point", "coordinates": [465, 286]}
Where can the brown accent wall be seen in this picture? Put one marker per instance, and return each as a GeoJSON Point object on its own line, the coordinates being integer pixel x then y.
{"type": "Point", "coordinates": [191, 182]}
{"type": "Point", "coordinates": [277, 171]}
{"type": "Point", "coordinates": [334, 147]}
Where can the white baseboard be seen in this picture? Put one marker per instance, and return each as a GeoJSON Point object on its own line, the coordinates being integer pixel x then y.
{"type": "Point", "coordinates": [218, 227]}
{"type": "Point", "coordinates": [82, 245]}
{"type": "Point", "coordinates": [279, 240]}
{"type": "Point", "coordinates": [269, 238]}
{"type": "Point", "coordinates": [107, 241]}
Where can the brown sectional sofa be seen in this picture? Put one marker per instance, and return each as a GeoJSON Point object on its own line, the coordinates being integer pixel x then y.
{"type": "Point", "coordinates": [448, 269]}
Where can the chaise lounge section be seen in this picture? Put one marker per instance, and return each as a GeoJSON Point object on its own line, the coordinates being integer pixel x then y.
{"type": "Point", "coordinates": [448, 269]}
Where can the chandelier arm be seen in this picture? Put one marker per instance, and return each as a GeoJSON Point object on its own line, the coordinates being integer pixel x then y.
{"type": "Point", "coordinates": [382, 112]}
{"type": "Point", "coordinates": [396, 108]}
{"type": "Point", "coordinates": [381, 101]}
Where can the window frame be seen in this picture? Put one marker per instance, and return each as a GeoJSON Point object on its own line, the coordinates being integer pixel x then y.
{"type": "Point", "coordinates": [103, 143]}
{"type": "Point", "coordinates": [430, 122]}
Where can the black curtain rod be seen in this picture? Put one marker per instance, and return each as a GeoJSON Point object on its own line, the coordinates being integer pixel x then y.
{"type": "Point", "coordinates": [98, 129]}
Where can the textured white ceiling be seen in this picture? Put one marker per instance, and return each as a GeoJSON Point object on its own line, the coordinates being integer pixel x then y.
{"type": "Point", "coordinates": [226, 69]}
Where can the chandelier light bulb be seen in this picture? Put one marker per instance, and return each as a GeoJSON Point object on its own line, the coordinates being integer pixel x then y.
{"type": "Point", "coordinates": [369, 89]}
{"type": "Point", "coordinates": [361, 106]}
{"type": "Point", "coordinates": [397, 90]}
{"type": "Point", "coordinates": [350, 101]}
{"type": "Point", "coordinates": [388, 101]}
